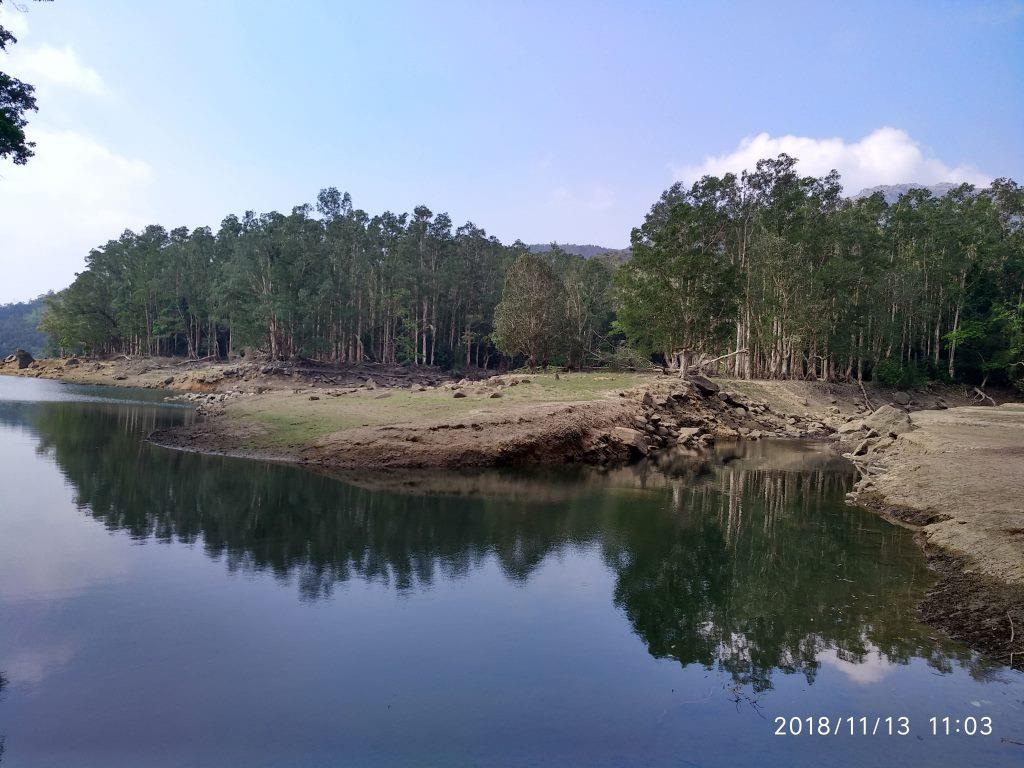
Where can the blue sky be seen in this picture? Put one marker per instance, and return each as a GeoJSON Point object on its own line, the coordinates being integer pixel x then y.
{"type": "Point", "coordinates": [544, 121]}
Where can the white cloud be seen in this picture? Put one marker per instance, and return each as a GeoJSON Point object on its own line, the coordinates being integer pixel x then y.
{"type": "Point", "coordinates": [56, 66]}
{"type": "Point", "coordinates": [884, 156]}
{"type": "Point", "coordinates": [73, 195]}
{"type": "Point", "coordinates": [872, 668]}
{"type": "Point", "coordinates": [15, 22]}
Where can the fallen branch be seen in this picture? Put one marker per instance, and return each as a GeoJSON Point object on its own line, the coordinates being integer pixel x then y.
{"type": "Point", "coordinates": [867, 401]}
{"type": "Point", "coordinates": [982, 397]}
{"type": "Point", "coordinates": [700, 366]}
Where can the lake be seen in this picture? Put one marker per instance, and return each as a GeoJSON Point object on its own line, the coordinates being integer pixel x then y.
{"type": "Point", "coordinates": [160, 608]}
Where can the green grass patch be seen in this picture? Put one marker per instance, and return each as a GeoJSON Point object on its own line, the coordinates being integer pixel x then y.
{"type": "Point", "coordinates": [294, 419]}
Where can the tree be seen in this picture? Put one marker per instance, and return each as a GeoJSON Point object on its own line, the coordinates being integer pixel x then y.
{"type": "Point", "coordinates": [530, 318]}
{"type": "Point", "coordinates": [16, 99]}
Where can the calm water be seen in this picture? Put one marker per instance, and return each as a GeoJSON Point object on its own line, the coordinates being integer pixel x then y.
{"type": "Point", "coordinates": [165, 609]}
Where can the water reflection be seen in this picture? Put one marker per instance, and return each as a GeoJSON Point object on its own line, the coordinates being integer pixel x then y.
{"type": "Point", "coordinates": [745, 561]}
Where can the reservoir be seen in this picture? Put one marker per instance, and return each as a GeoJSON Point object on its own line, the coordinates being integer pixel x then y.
{"type": "Point", "coordinates": [160, 608]}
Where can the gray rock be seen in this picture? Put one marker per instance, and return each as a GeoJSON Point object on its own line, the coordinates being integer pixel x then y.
{"type": "Point", "coordinates": [459, 394]}
{"type": "Point", "coordinates": [901, 398]}
{"type": "Point", "coordinates": [889, 421]}
{"type": "Point", "coordinates": [704, 385]}
{"type": "Point", "coordinates": [633, 439]}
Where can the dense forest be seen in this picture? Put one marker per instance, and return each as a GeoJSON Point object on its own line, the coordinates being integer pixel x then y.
{"type": "Point", "coordinates": [796, 281]}
{"type": "Point", "coordinates": [338, 286]}
{"type": "Point", "coordinates": [19, 327]}
{"type": "Point", "coordinates": [779, 275]}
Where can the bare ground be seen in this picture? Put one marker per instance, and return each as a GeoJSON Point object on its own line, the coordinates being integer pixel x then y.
{"type": "Point", "coordinates": [958, 478]}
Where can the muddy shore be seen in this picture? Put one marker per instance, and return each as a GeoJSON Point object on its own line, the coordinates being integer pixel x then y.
{"type": "Point", "coordinates": [930, 459]}
{"type": "Point", "coordinates": [957, 478]}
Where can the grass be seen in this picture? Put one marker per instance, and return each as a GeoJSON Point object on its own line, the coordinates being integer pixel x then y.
{"type": "Point", "coordinates": [294, 419]}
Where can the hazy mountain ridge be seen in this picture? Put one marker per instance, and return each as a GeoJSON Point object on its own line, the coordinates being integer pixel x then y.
{"type": "Point", "coordinates": [892, 192]}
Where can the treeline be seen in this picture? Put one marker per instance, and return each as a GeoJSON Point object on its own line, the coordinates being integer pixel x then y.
{"type": "Point", "coordinates": [795, 281]}
{"type": "Point", "coordinates": [772, 274]}
{"type": "Point", "coordinates": [339, 286]}
{"type": "Point", "coordinates": [19, 327]}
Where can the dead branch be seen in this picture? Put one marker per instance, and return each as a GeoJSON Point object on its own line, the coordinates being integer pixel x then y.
{"type": "Point", "coordinates": [867, 400]}
{"type": "Point", "coordinates": [981, 397]}
{"type": "Point", "coordinates": [700, 366]}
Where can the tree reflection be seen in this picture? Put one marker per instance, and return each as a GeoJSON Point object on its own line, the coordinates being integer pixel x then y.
{"type": "Point", "coordinates": [747, 561]}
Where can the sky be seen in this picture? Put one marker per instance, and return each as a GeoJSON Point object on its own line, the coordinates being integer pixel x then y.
{"type": "Point", "coordinates": [544, 121]}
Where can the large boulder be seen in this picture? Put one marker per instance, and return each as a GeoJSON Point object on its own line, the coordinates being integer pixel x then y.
{"type": "Point", "coordinates": [889, 421]}
{"type": "Point", "coordinates": [901, 398]}
{"type": "Point", "coordinates": [635, 440]}
{"type": "Point", "coordinates": [703, 384]}
{"type": "Point", "coordinates": [21, 358]}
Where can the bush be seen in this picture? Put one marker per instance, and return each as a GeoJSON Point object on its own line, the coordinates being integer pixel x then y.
{"type": "Point", "coordinates": [895, 374]}
{"type": "Point", "coordinates": [625, 356]}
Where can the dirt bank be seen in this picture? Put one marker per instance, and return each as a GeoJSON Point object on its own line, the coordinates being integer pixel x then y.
{"type": "Point", "coordinates": [957, 476]}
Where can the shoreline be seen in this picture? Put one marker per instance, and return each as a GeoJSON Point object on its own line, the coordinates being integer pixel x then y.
{"type": "Point", "coordinates": [375, 418]}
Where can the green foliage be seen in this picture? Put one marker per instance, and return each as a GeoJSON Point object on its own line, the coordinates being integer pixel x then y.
{"type": "Point", "coordinates": [16, 99]}
{"type": "Point", "coordinates": [19, 327]}
{"type": "Point", "coordinates": [530, 319]}
{"type": "Point", "coordinates": [803, 283]}
{"type": "Point", "coordinates": [338, 285]}
{"type": "Point", "coordinates": [897, 374]}
{"type": "Point", "coordinates": [625, 356]}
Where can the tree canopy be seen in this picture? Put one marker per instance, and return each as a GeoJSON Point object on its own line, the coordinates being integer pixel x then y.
{"type": "Point", "coordinates": [16, 100]}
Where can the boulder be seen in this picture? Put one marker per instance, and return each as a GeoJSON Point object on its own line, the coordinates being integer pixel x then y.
{"type": "Point", "coordinates": [901, 398]}
{"type": "Point", "coordinates": [850, 427]}
{"type": "Point", "coordinates": [704, 385]}
{"type": "Point", "coordinates": [685, 433]}
{"type": "Point", "coordinates": [633, 439]}
{"type": "Point", "coordinates": [21, 358]}
{"type": "Point", "coordinates": [459, 394]}
{"type": "Point", "coordinates": [888, 421]}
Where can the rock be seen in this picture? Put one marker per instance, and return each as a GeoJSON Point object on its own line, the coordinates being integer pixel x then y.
{"type": "Point", "coordinates": [120, 377]}
{"type": "Point", "coordinates": [850, 427]}
{"type": "Point", "coordinates": [633, 439]}
{"type": "Point", "coordinates": [901, 398]}
{"type": "Point", "coordinates": [862, 448]}
{"type": "Point", "coordinates": [704, 385]}
{"type": "Point", "coordinates": [382, 395]}
{"type": "Point", "coordinates": [168, 381]}
{"type": "Point", "coordinates": [71, 362]}
{"type": "Point", "coordinates": [496, 394]}
{"type": "Point", "coordinates": [889, 421]}
{"type": "Point", "coordinates": [685, 433]}
{"type": "Point", "coordinates": [21, 358]}
{"type": "Point", "coordinates": [459, 394]}
{"type": "Point", "coordinates": [314, 397]}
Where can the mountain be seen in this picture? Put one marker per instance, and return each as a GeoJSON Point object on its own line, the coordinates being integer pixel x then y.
{"type": "Point", "coordinates": [18, 327]}
{"type": "Point", "coordinates": [611, 255]}
{"type": "Point", "coordinates": [892, 192]}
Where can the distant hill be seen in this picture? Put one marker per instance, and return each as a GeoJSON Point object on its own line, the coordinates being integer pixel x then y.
{"type": "Point", "coordinates": [892, 192]}
{"type": "Point", "coordinates": [18, 327]}
{"type": "Point", "coordinates": [611, 255]}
